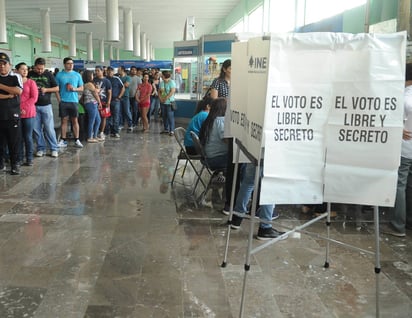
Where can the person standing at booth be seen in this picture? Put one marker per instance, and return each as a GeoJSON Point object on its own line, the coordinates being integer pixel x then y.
{"type": "Point", "coordinates": [70, 83]}
{"type": "Point", "coordinates": [11, 87]}
{"type": "Point", "coordinates": [401, 213]}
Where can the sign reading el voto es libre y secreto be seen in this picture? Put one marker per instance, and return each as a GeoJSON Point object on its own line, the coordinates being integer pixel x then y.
{"type": "Point", "coordinates": [331, 117]}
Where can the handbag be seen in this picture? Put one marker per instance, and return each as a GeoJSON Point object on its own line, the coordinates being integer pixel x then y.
{"type": "Point", "coordinates": [173, 105]}
{"type": "Point", "coordinates": [105, 111]}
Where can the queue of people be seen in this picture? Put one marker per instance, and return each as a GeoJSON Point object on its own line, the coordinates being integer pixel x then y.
{"type": "Point", "coordinates": [27, 125]}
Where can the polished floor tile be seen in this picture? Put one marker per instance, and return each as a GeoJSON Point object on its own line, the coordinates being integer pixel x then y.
{"type": "Point", "coordinates": [100, 232]}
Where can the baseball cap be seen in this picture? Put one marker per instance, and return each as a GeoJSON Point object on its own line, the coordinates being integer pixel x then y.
{"type": "Point", "coordinates": [4, 57]}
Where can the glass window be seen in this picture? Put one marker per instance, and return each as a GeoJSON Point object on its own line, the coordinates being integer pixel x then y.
{"type": "Point", "coordinates": [256, 20]}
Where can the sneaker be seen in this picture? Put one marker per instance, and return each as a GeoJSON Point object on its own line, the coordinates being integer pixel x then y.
{"type": "Point", "coordinates": [265, 234]}
{"type": "Point", "coordinates": [388, 229]}
{"type": "Point", "coordinates": [117, 136]}
{"type": "Point", "coordinates": [164, 132]}
{"type": "Point", "coordinates": [28, 163]}
{"type": "Point", "coordinates": [92, 140]}
{"type": "Point", "coordinates": [130, 129]}
{"type": "Point", "coordinates": [78, 144]}
{"type": "Point", "coordinates": [226, 209]}
{"type": "Point", "coordinates": [171, 133]}
{"type": "Point", "coordinates": [15, 170]}
{"type": "Point", "coordinates": [236, 221]}
{"type": "Point", "coordinates": [102, 136]}
{"type": "Point", "coordinates": [39, 153]}
{"type": "Point", "coordinates": [54, 154]}
{"type": "Point", "coordinates": [62, 144]}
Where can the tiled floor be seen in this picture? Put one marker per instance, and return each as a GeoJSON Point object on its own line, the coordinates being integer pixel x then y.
{"type": "Point", "coordinates": [99, 232]}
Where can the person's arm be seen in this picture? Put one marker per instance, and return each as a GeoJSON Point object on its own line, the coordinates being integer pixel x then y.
{"type": "Point", "coordinates": [406, 135]}
{"type": "Point", "coordinates": [58, 96]}
{"type": "Point", "coordinates": [121, 93]}
{"type": "Point", "coordinates": [34, 92]}
{"type": "Point", "coordinates": [13, 90]}
{"type": "Point", "coordinates": [109, 96]}
{"type": "Point", "coordinates": [95, 93]}
{"type": "Point", "coordinates": [214, 93]}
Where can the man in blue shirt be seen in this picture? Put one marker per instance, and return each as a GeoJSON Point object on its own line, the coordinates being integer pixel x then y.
{"type": "Point", "coordinates": [70, 83]}
{"type": "Point", "coordinates": [117, 94]}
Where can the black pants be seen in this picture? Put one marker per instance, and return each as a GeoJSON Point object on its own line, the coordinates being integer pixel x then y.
{"type": "Point", "coordinates": [10, 137]}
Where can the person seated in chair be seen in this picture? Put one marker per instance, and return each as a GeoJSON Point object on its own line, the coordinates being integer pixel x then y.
{"type": "Point", "coordinates": [201, 113]}
{"type": "Point", "coordinates": [211, 135]}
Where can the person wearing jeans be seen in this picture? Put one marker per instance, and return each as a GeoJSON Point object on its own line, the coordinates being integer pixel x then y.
{"type": "Point", "coordinates": [117, 94]}
{"type": "Point", "coordinates": [27, 114]}
{"type": "Point", "coordinates": [92, 104]}
{"type": "Point", "coordinates": [265, 232]}
{"type": "Point", "coordinates": [44, 123]}
{"type": "Point", "coordinates": [167, 90]}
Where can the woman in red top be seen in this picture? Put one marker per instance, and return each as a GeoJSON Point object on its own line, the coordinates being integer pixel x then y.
{"type": "Point", "coordinates": [143, 92]}
{"type": "Point", "coordinates": [28, 99]}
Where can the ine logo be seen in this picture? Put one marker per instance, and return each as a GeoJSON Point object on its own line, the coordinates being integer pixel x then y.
{"type": "Point", "coordinates": [259, 64]}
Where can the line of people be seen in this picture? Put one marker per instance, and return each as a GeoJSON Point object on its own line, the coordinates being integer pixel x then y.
{"type": "Point", "coordinates": [26, 110]}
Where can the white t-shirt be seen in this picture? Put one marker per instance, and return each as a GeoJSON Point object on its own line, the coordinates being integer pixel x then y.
{"type": "Point", "coordinates": [407, 115]}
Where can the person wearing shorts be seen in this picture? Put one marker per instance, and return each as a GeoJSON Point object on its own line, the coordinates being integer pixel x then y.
{"type": "Point", "coordinates": [70, 83]}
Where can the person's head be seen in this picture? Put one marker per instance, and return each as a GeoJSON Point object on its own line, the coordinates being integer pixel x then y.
{"type": "Point", "coordinates": [166, 76]}
{"type": "Point", "coordinates": [145, 77]}
{"type": "Point", "coordinates": [39, 65]}
{"type": "Point", "coordinates": [217, 109]}
{"type": "Point", "coordinates": [110, 71]}
{"type": "Point", "coordinates": [139, 72]}
{"type": "Point", "coordinates": [22, 69]}
{"type": "Point", "coordinates": [226, 69]}
{"type": "Point", "coordinates": [68, 64]}
{"type": "Point", "coordinates": [99, 71]}
{"type": "Point", "coordinates": [203, 105]}
{"type": "Point", "coordinates": [88, 76]}
{"type": "Point", "coordinates": [133, 70]}
{"type": "Point", "coordinates": [4, 64]}
{"type": "Point", "coordinates": [122, 70]}
{"type": "Point", "coordinates": [408, 73]}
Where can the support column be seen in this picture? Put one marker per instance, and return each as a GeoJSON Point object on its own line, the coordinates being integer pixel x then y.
{"type": "Point", "coordinates": [46, 36]}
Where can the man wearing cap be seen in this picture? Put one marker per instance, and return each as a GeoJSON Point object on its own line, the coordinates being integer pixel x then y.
{"type": "Point", "coordinates": [11, 87]}
{"type": "Point", "coordinates": [70, 83]}
{"type": "Point", "coordinates": [44, 111]}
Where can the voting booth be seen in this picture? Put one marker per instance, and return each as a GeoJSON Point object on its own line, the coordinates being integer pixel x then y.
{"type": "Point", "coordinates": [327, 108]}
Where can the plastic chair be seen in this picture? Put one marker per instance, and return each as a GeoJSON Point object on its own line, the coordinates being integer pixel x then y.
{"type": "Point", "coordinates": [179, 134]}
{"type": "Point", "coordinates": [213, 174]}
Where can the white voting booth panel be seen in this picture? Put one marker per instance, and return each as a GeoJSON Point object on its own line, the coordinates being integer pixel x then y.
{"type": "Point", "coordinates": [327, 108]}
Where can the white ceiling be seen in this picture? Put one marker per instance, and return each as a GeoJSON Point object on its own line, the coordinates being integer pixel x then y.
{"type": "Point", "coordinates": [162, 20]}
